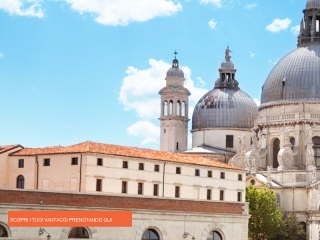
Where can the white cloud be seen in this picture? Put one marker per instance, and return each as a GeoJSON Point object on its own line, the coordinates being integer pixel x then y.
{"type": "Point", "coordinates": [295, 30]}
{"type": "Point", "coordinates": [257, 101]}
{"type": "Point", "coordinates": [115, 12]}
{"type": "Point", "coordinates": [1, 55]}
{"type": "Point", "coordinates": [139, 92]}
{"type": "Point", "coordinates": [252, 54]}
{"type": "Point", "coordinates": [274, 62]}
{"type": "Point", "coordinates": [250, 6]}
{"type": "Point", "coordinates": [201, 82]}
{"type": "Point", "coordinates": [277, 25]}
{"type": "Point", "coordinates": [146, 130]}
{"type": "Point", "coordinates": [30, 8]}
{"type": "Point", "coordinates": [212, 24]}
{"type": "Point", "coordinates": [214, 2]}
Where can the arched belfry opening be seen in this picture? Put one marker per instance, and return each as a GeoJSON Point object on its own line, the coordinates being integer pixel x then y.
{"type": "Point", "coordinates": [276, 149]}
{"type": "Point", "coordinates": [316, 148]}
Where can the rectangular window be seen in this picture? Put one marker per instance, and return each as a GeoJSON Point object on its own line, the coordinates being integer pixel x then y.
{"type": "Point", "coordinates": [208, 194]}
{"type": "Point", "coordinates": [155, 190]}
{"type": "Point", "coordinates": [124, 187]}
{"type": "Point", "coordinates": [164, 130]}
{"type": "Point", "coordinates": [229, 141]}
{"type": "Point", "coordinates": [124, 164]}
{"type": "Point", "coordinates": [177, 193]}
{"type": "Point", "coordinates": [239, 196]}
{"type": "Point", "coordinates": [156, 168]}
{"type": "Point", "coordinates": [240, 177]}
{"type": "Point", "coordinates": [46, 162]}
{"type": "Point", "coordinates": [21, 163]}
{"type": "Point", "coordinates": [74, 161]}
{"type": "Point", "coordinates": [141, 166]}
{"type": "Point", "coordinates": [177, 146]}
{"type": "Point", "coordinates": [221, 195]}
{"type": "Point", "coordinates": [222, 175]}
{"type": "Point", "coordinates": [99, 161]}
{"type": "Point", "coordinates": [99, 185]}
{"type": "Point", "coordinates": [209, 173]}
{"type": "Point", "coordinates": [140, 188]}
{"type": "Point", "coordinates": [197, 172]}
{"type": "Point", "coordinates": [178, 170]}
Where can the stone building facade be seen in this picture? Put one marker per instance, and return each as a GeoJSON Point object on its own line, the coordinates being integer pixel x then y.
{"type": "Point", "coordinates": [170, 194]}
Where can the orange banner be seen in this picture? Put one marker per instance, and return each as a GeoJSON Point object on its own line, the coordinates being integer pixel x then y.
{"type": "Point", "coordinates": [70, 219]}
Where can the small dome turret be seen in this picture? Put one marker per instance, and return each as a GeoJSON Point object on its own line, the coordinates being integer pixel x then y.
{"type": "Point", "coordinates": [175, 76]}
{"type": "Point", "coordinates": [175, 71]}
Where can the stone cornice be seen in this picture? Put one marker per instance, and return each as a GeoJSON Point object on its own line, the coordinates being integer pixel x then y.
{"type": "Point", "coordinates": [221, 128]}
{"type": "Point", "coordinates": [283, 103]}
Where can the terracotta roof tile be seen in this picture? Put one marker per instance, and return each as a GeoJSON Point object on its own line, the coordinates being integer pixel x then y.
{"type": "Point", "coordinates": [92, 147]}
{"type": "Point", "coordinates": [7, 147]}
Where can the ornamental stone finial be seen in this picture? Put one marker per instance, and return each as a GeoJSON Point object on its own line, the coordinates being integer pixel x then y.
{"type": "Point", "coordinates": [228, 51]}
{"type": "Point", "coordinates": [269, 179]}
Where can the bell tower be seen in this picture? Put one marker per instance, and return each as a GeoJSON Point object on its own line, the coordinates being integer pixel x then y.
{"type": "Point", "coordinates": [174, 111]}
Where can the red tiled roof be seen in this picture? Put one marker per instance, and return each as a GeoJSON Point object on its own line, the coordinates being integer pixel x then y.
{"type": "Point", "coordinates": [8, 147]}
{"type": "Point", "coordinates": [92, 147]}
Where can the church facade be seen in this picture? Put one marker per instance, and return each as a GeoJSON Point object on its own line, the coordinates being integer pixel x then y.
{"type": "Point", "coordinates": [278, 143]}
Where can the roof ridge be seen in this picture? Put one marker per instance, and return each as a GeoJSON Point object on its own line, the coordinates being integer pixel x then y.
{"type": "Point", "coordinates": [127, 151]}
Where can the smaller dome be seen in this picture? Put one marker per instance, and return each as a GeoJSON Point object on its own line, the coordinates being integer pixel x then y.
{"type": "Point", "coordinates": [175, 71]}
{"type": "Point", "coordinates": [313, 4]}
{"type": "Point", "coordinates": [227, 65]}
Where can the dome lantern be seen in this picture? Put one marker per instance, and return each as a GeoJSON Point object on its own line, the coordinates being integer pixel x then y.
{"type": "Point", "coordinates": [310, 24]}
{"type": "Point", "coordinates": [227, 73]}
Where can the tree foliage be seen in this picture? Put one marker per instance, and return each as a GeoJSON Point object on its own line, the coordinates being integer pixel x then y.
{"type": "Point", "coordinates": [290, 228]}
{"type": "Point", "coordinates": [265, 213]}
{"type": "Point", "coordinates": [267, 221]}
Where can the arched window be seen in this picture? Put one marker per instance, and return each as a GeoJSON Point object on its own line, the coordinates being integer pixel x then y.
{"type": "Point", "coordinates": [276, 149]}
{"type": "Point", "coordinates": [170, 107]}
{"type": "Point", "coordinates": [20, 182]}
{"type": "Point", "coordinates": [78, 232]}
{"type": "Point", "coordinates": [214, 236]}
{"type": "Point", "coordinates": [292, 141]}
{"type": "Point", "coordinates": [178, 108]}
{"type": "Point", "coordinates": [183, 109]}
{"type": "Point", "coordinates": [304, 226]}
{"type": "Point", "coordinates": [150, 234]}
{"type": "Point", "coordinates": [165, 108]}
{"type": "Point", "coordinates": [3, 232]}
{"type": "Point", "coordinates": [316, 148]}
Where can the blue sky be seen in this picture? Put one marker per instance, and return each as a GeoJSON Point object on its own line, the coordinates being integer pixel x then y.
{"type": "Point", "coordinates": [78, 70]}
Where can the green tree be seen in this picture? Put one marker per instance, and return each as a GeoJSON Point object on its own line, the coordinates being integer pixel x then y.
{"type": "Point", "coordinates": [290, 228]}
{"type": "Point", "coordinates": [266, 217]}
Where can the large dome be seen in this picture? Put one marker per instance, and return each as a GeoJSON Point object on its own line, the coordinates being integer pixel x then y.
{"type": "Point", "coordinates": [295, 77]}
{"type": "Point", "coordinates": [313, 4]}
{"type": "Point", "coordinates": [225, 107]}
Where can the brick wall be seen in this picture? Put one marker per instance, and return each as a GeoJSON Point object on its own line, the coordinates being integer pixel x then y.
{"type": "Point", "coordinates": [93, 200]}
